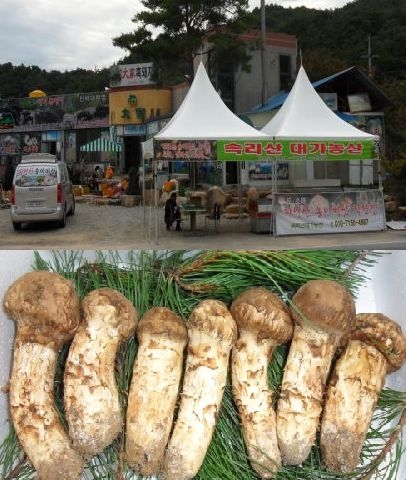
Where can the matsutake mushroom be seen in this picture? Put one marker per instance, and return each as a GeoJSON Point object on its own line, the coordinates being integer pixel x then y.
{"type": "Point", "coordinates": [211, 332]}
{"type": "Point", "coordinates": [46, 309]}
{"type": "Point", "coordinates": [263, 322]}
{"type": "Point", "coordinates": [377, 347]}
{"type": "Point", "coordinates": [91, 398]}
{"type": "Point", "coordinates": [323, 311]}
{"type": "Point", "coordinates": [162, 337]}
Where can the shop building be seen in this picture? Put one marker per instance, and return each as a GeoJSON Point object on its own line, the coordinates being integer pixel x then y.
{"type": "Point", "coordinates": [56, 124]}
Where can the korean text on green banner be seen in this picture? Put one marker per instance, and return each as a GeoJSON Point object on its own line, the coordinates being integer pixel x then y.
{"type": "Point", "coordinates": [295, 150]}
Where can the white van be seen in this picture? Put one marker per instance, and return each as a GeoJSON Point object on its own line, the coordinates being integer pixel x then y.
{"type": "Point", "coordinates": [42, 191]}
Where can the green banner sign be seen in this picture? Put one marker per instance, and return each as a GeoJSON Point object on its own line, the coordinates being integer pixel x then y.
{"type": "Point", "coordinates": [295, 150]}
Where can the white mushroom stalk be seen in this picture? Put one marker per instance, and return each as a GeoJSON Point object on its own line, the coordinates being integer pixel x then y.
{"type": "Point", "coordinates": [91, 397]}
{"type": "Point", "coordinates": [376, 348]}
{"type": "Point", "coordinates": [162, 337]}
{"type": "Point", "coordinates": [46, 309]}
{"type": "Point", "coordinates": [324, 312]}
{"type": "Point", "coordinates": [263, 322]}
{"type": "Point", "coordinates": [211, 332]}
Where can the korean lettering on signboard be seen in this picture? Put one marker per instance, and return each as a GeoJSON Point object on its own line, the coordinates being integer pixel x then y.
{"type": "Point", "coordinates": [134, 74]}
{"type": "Point", "coordinates": [295, 150]}
{"type": "Point", "coordinates": [329, 212]}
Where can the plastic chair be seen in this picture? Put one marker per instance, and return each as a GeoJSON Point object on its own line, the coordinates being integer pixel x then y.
{"type": "Point", "coordinates": [214, 216]}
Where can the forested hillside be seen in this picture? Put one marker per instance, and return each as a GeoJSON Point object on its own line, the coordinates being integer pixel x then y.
{"type": "Point", "coordinates": [330, 38]}
{"type": "Point", "coordinates": [328, 41]}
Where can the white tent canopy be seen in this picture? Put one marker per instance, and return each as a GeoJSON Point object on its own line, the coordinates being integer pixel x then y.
{"type": "Point", "coordinates": [305, 116]}
{"type": "Point", "coordinates": [148, 149]}
{"type": "Point", "coordinates": [204, 116]}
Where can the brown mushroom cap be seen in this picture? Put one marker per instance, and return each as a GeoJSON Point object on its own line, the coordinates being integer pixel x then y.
{"type": "Point", "coordinates": [263, 313]}
{"type": "Point", "coordinates": [212, 317]}
{"type": "Point", "coordinates": [162, 322]}
{"type": "Point", "coordinates": [103, 298]}
{"type": "Point", "coordinates": [45, 306]}
{"type": "Point", "coordinates": [385, 335]}
{"type": "Point", "coordinates": [324, 304]}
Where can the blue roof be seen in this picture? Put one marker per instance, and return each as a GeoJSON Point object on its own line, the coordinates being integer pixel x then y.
{"type": "Point", "coordinates": [273, 102]}
{"type": "Point", "coordinates": [277, 100]}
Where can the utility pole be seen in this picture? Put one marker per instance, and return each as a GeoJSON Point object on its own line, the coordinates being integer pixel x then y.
{"type": "Point", "coordinates": [263, 55]}
{"type": "Point", "coordinates": [369, 56]}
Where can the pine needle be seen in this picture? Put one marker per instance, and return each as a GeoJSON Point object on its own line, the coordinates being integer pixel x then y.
{"type": "Point", "coordinates": [181, 279]}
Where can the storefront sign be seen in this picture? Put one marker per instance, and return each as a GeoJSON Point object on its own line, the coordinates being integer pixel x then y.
{"type": "Point", "coordinates": [9, 144]}
{"type": "Point", "coordinates": [295, 150]}
{"type": "Point", "coordinates": [78, 110]}
{"type": "Point", "coordinates": [136, 130]}
{"type": "Point", "coordinates": [333, 212]}
{"type": "Point", "coordinates": [185, 150]}
{"type": "Point", "coordinates": [134, 74]}
{"type": "Point", "coordinates": [31, 143]}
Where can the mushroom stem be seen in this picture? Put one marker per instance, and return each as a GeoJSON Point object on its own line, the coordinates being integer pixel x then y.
{"type": "Point", "coordinates": [46, 309]}
{"type": "Point", "coordinates": [376, 347]}
{"type": "Point", "coordinates": [91, 397]}
{"type": "Point", "coordinates": [263, 322]}
{"type": "Point", "coordinates": [323, 311]}
{"type": "Point", "coordinates": [157, 372]}
{"type": "Point", "coordinates": [212, 332]}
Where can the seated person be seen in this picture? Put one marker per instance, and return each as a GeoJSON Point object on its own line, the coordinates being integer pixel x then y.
{"type": "Point", "coordinates": [92, 183]}
{"type": "Point", "coordinates": [172, 212]}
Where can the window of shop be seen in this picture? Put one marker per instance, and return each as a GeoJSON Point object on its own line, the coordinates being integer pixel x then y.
{"type": "Point", "coordinates": [285, 72]}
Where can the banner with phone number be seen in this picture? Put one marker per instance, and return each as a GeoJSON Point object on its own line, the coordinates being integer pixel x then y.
{"type": "Point", "coordinates": [332, 212]}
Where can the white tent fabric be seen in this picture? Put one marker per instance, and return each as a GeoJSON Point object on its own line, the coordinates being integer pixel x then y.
{"type": "Point", "coordinates": [148, 149]}
{"type": "Point", "coordinates": [204, 116]}
{"type": "Point", "coordinates": [305, 116]}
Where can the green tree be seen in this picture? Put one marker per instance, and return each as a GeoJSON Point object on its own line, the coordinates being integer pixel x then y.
{"type": "Point", "coordinates": [170, 33]}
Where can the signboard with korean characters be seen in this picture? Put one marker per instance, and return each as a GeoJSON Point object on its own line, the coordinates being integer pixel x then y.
{"type": "Point", "coordinates": [295, 150]}
{"type": "Point", "coordinates": [331, 212]}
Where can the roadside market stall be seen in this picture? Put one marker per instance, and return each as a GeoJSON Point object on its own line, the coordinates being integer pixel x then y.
{"type": "Point", "coordinates": [202, 125]}
{"type": "Point", "coordinates": [104, 145]}
{"type": "Point", "coordinates": [307, 135]}
{"type": "Point", "coordinates": [109, 185]}
{"type": "Point", "coordinates": [308, 155]}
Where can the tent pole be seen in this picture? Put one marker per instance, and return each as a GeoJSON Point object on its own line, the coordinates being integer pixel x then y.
{"type": "Point", "coordinates": [155, 183]}
{"type": "Point", "coordinates": [274, 188]}
{"type": "Point", "coordinates": [380, 185]}
{"type": "Point", "coordinates": [144, 218]}
{"type": "Point", "coordinates": [263, 55]}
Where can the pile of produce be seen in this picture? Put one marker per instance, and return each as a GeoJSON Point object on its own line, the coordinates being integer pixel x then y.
{"type": "Point", "coordinates": [213, 365]}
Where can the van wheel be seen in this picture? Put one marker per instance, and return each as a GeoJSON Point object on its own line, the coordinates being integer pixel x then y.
{"type": "Point", "coordinates": [17, 226]}
{"type": "Point", "coordinates": [62, 221]}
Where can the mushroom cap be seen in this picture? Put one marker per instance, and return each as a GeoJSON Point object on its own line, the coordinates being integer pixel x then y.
{"type": "Point", "coordinates": [45, 306]}
{"type": "Point", "coordinates": [263, 313]}
{"type": "Point", "coordinates": [125, 318]}
{"type": "Point", "coordinates": [213, 318]}
{"type": "Point", "coordinates": [385, 335]}
{"type": "Point", "coordinates": [325, 305]}
{"type": "Point", "coordinates": [162, 322]}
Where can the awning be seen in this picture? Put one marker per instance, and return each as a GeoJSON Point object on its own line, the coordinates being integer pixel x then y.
{"type": "Point", "coordinates": [101, 145]}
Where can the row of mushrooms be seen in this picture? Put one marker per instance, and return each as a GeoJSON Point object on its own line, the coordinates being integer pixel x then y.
{"type": "Point", "coordinates": [334, 372]}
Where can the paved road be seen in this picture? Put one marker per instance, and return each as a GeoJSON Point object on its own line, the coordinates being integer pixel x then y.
{"type": "Point", "coordinates": [113, 227]}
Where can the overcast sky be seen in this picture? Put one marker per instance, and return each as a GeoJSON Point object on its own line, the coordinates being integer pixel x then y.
{"type": "Point", "coordinates": [65, 35]}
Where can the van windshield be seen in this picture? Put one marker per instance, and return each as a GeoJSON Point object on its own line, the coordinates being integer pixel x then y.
{"type": "Point", "coordinates": [36, 175]}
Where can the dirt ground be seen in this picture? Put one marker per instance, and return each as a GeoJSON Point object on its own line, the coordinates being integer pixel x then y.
{"type": "Point", "coordinates": [114, 227]}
